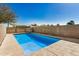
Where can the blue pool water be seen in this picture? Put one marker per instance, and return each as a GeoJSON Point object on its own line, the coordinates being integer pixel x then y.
{"type": "Point", "coordinates": [32, 42]}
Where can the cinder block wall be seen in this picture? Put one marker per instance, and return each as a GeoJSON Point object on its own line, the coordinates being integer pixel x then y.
{"type": "Point", "coordinates": [66, 31]}
{"type": "Point", "coordinates": [2, 32]}
{"type": "Point", "coordinates": [18, 30]}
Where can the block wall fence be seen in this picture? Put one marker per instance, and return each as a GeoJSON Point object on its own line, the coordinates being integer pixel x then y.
{"type": "Point", "coordinates": [66, 30]}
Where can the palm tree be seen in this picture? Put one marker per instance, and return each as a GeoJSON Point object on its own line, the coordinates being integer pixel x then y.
{"type": "Point", "coordinates": [6, 15]}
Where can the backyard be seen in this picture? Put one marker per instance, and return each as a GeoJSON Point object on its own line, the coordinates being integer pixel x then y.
{"type": "Point", "coordinates": [19, 38]}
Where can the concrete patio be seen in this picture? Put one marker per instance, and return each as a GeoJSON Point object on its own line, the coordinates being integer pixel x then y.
{"type": "Point", "coordinates": [10, 47]}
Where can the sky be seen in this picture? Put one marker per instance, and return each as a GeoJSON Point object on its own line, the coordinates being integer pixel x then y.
{"type": "Point", "coordinates": [45, 13]}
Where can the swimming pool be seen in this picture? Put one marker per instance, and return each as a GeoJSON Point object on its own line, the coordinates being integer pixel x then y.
{"type": "Point", "coordinates": [31, 42]}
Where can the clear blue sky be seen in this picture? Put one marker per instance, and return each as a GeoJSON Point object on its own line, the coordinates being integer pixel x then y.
{"type": "Point", "coordinates": [44, 13]}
